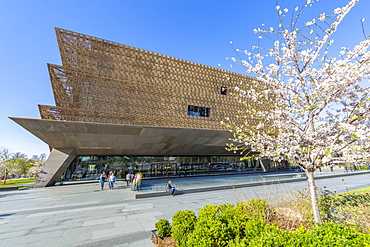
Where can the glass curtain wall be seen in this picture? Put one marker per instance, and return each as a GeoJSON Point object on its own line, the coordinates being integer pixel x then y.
{"type": "Point", "coordinates": [89, 167]}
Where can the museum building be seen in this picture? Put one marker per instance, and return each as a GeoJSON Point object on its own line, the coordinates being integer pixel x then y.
{"type": "Point", "coordinates": [123, 109]}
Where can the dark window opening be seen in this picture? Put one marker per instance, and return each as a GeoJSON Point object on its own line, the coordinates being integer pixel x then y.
{"type": "Point", "coordinates": [223, 90]}
{"type": "Point", "coordinates": [198, 111]}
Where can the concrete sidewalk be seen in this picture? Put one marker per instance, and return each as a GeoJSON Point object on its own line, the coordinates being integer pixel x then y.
{"type": "Point", "coordinates": [83, 215]}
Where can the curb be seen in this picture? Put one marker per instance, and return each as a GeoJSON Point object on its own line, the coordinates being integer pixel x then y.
{"type": "Point", "coordinates": [12, 188]}
{"type": "Point", "coordinates": [237, 186]}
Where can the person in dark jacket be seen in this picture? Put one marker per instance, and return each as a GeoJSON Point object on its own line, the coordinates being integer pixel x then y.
{"type": "Point", "coordinates": [102, 179]}
{"type": "Point", "coordinates": [170, 189]}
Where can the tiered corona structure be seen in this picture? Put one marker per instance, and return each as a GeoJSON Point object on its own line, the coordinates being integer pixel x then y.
{"type": "Point", "coordinates": [107, 82]}
{"type": "Point", "coordinates": [122, 108]}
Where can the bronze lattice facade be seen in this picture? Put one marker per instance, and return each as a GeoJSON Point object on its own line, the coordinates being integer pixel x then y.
{"type": "Point", "coordinates": [131, 107]}
{"type": "Point", "coordinates": [107, 82]}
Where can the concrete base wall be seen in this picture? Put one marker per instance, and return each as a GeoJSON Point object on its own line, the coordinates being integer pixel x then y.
{"type": "Point", "coordinates": [54, 167]}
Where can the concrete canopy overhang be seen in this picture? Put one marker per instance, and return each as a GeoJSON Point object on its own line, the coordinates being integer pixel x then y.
{"type": "Point", "coordinates": [87, 138]}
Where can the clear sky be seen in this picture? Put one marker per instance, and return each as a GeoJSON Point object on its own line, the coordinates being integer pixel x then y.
{"type": "Point", "coordinates": [194, 30]}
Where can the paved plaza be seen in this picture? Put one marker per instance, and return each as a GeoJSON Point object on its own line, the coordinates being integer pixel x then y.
{"type": "Point", "coordinates": [83, 215]}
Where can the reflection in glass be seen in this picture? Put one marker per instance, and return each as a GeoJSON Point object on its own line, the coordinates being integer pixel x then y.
{"type": "Point", "coordinates": [89, 167]}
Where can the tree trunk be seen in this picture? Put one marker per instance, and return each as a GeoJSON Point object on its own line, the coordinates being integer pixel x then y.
{"type": "Point", "coordinates": [313, 194]}
{"type": "Point", "coordinates": [6, 176]}
{"type": "Point", "coordinates": [262, 165]}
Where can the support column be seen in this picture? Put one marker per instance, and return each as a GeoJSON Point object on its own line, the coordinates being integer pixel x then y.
{"type": "Point", "coordinates": [263, 166]}
{"type": "Point", "coordinates": [54, 167]}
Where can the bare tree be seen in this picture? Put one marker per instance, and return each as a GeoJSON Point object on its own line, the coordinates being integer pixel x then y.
{"type": "Point", "coordinates": [306, 104]}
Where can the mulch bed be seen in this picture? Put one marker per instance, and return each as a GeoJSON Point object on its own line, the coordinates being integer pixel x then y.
{"type": "Point", "coordinates": [164, 242]}
{"type": "Point", "coordinates": [290, 225]}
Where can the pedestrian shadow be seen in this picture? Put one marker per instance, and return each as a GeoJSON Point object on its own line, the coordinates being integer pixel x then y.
{"type": "Point", "coordinates": [2, 195]}
{"type": "Point", "coordinates": [2, 216]}
{"type": "Point", "coordinates": [179, 193]}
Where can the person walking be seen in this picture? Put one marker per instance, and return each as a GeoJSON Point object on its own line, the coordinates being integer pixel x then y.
{"type": "Point", "coordinates": [111, 180]}
{"type": "Point", "coordinates": [102, 179]}
{"type": "Point", "coordinates": [128, 178]}
{"type": "Point", "coordinates": [331, 167]}
{"type": "Point", "coordinates": [138, 178]}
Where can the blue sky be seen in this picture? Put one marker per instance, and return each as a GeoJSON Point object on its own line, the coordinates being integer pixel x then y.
{"type": "Point", "coordinates": [194, 30]}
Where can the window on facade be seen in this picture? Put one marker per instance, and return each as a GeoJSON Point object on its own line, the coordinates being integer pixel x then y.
{"type": "Point", "coordinates": [223, 90]}
{"type": "Point", "coordinates": [198, 111]}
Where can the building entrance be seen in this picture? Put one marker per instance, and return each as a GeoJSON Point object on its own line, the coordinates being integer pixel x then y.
{"type": "Point", "coordinates": [90, 167]}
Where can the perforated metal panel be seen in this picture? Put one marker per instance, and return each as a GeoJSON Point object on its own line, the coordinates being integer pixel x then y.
{"type": "Point", "coordinates": [107, 82]}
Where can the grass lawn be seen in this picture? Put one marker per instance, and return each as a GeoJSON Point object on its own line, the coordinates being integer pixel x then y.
{"type": "Point", "coordinates": [361, 190]}
{"type": "Point", "coordinates": [14, 182]}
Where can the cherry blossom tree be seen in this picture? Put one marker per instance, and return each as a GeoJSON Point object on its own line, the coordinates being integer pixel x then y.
{"type": "Point", "coordinates": [18, 163]}
{"type": "Point", "coordinates": [308, 102]}
{"type": "Point", "coordinates": [37, 164]}
{"type": "Point", "coordinates": [9, 163]}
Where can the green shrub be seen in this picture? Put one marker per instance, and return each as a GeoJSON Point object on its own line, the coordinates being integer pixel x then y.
{"type": "Point", "coordinates": [257, 209]}
{"type": "Point", "coordinates": [182, 225]}
{"type": "Point", "coordinates": [335, 234]}
{"type": "Point", "coordinates": [218, 225]}
{"type": "Point", "coordinates": [210, 229]}
{"type": "Point", "coordinates": [235, 216]}
{"type": "Point", "coordinates": [325, 202]}
{"type": "Point", "coordinates": [352, 199]}
{"type": "Point", "coordinates": [260, 234]}
{"type": "Point", "coordinates": [238, 242]}
{"type": "Point", "coordinates": [327, 234]}
{"type": "Point", "coordinates": [348, 208]}
{"type": "Point", "coordinates": [245, 224]}
{"type": "Point", "coordinates": [163, 228]}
